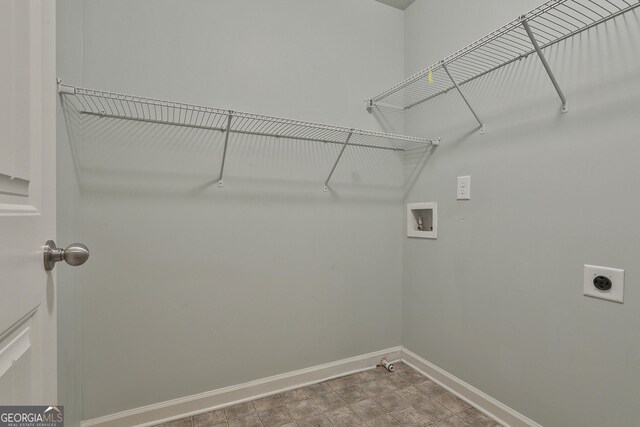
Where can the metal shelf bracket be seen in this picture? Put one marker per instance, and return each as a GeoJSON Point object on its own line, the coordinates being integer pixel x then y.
{"type": "Point", "coordinates": [346, 142]}
{"type": "Point", "coordinates": [224, 151]}
{"type": "Point", "coordinates": [65, 89]}
{"type": "Point", "coordinates": [444, 66]}
{"type": "Point", "coordinates": [536, 46]}
{"type": "Point", "coordinates": [369, 106]}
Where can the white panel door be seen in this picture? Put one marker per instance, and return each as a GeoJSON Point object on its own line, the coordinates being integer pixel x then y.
{"type": "Point", "coordinates": [27, 201]}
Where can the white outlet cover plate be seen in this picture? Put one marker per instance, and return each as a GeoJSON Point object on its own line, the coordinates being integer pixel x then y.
{"type": "Point", "coordinates": [464, 188]}
{"type": "Point", "coordinates": [616, 293]}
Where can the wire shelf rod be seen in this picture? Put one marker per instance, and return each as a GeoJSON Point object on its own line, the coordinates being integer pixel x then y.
{"type": "Point", "coordinates": [119, 106]}
{"type": "Point", "coordinates": [524, 55]}
{"type": "Point", "coordinates": [129, 107]}
{"type": "Point", "coordinates": [550, 23]}
{"type": "Point", "coordinates": [241, 132]}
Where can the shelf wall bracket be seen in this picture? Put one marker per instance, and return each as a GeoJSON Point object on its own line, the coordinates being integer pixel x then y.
{"type": "Point", "coordinates": [444, 66]}
{"type": "Point", "coordinates": [65, 89]}
{"type": "Point", "coordinates": [369, 106]}
{"type": "Point", "coordinates": [224, 150]}
{"type": "Point", "coordinates": [326, 183]}
{"type": "Point", "coordinates": [536, 46]}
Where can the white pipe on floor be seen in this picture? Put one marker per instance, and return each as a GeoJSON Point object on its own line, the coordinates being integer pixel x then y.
{"type": "Point", "coordinates": [388, 366]}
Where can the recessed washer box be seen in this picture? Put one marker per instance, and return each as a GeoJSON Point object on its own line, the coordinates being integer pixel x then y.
{"type": "Point", "coordinates": [422, 220]}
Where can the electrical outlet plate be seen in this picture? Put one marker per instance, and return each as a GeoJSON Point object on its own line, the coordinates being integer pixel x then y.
{"type": "Point", "coordinates": [616, 293]}
{"type": "Point", "coordinates": [464, 188]}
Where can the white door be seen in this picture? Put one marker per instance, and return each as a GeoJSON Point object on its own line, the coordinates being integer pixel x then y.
{"type": "Point", "coordinates": [27, 201]}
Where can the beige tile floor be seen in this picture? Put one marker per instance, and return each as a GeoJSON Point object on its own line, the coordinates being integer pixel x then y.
{"type": "Point", "coordinates": [370, 398]}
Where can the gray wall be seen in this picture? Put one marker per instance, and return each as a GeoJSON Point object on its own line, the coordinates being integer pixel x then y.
{"type": "Point", "coordinates": [69, 205]}
{"type": "Point", "coordinates": [191, 287]}
{"type": "Point", "coordinates": [186, 280]}
{"type": "Point", "coordinates": [497, 298]}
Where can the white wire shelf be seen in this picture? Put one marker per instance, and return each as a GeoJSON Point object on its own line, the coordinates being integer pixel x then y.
{"type": "Point", "coordinates": [129, 107]}
{"type": "Point", "coordinates": [544, 26]}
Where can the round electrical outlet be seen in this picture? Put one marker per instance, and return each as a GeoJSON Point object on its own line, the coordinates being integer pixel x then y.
{"type": "Point", "coordinates": [602, 282]}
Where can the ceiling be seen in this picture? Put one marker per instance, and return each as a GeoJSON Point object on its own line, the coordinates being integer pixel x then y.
{"type": "Point", "coordinates": [398, 4]}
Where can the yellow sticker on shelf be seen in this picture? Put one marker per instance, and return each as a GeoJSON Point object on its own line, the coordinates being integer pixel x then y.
{"type": "Point", "coordinates": [430, 77]}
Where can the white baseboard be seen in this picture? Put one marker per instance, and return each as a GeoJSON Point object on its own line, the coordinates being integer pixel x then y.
{"type": "Point", "coordinates": [485, 403]}
{"type": "Point", "coordinates": [208, 401]}
{"type": "Point", "coordinates": [192, 405]}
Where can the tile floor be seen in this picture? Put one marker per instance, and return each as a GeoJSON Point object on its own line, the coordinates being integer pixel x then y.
{"type": "Point", "coordinates": [370, 398]}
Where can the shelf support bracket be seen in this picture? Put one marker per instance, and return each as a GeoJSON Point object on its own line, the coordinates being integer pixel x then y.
{"type": "Point", "coordinates": [370, 106]}
{"type": "Point", "coordinates": [224, 150]}
{"type": "Point", "coordinates": [65, 89]}
{"type": "Point", "coordinates": [326, 183]}
{"type": "Point", "coordinates": [536, 46]}
{"type": "Point", "coordinates": [444, 66]}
